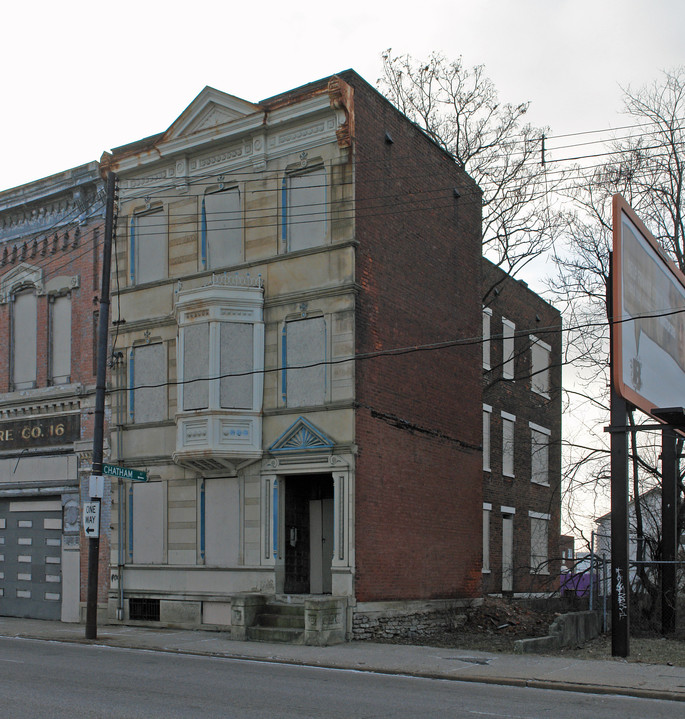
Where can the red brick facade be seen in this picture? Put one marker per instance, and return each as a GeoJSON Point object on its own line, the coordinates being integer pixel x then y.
{"type": "Point", "coordinates": [51, 234]}
{"type": "Point", "coordinates": [505, 297]}
{"type": "Point", "coordinates": [418, 425]}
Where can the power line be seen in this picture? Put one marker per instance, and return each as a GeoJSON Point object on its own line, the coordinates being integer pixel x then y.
{"type": "Point", "coordinates": [410, 349]}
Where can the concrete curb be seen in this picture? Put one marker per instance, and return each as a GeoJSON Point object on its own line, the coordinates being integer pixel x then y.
{"type": "Point", "coordinates": [568, 686]}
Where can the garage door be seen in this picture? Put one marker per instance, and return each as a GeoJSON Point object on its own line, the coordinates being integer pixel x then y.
{"type": "Point", "coordinates": [30, 558]}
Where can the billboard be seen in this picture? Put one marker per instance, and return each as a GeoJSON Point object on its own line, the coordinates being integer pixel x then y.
{"type": "Point", "coordinates": [648, 294]}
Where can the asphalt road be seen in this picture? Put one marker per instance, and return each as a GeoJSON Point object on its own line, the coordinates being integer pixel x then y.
{"type": "Point", "coordinates": [54, 680]}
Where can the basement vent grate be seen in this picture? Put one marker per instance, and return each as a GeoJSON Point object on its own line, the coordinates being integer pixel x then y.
{"type": "Point", "coordinates": [142, 609]}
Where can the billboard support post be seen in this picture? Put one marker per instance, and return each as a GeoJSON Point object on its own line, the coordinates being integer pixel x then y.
{"type": "Point", "coordinates": [669, 518]}
{"type": "Point", "coordinates": [620, 578]}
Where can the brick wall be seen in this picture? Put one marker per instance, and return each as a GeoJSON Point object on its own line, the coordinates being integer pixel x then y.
{"type": "Point", "coordinates": [66, 260]}
{"type": "Point", "coordinates": [418, 426]}
{"type": "Point", "coordinates": [60, 254]}
{"type": "Point", "coordinates": [512, 299]}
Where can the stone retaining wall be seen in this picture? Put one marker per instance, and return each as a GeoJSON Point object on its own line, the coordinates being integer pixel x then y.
{"type": "Point", "coordinates": [385, 621]}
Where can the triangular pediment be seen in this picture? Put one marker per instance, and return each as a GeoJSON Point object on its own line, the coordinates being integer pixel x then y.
{"type": "Point", "coordinates": [302, 436]}
{"type": "Point", "coordinates": [210, 109]}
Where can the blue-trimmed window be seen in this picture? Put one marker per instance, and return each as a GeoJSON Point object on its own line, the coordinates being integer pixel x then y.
{"type": "Point", "coordinates": [304, 201]}
{"type": "Point", "coordinates": [222, 229]}
{"type": "Point", "coordinates": [147, 388]}
{"type": "Point", "coordinates": [304, 373]}
{"type": "Point", "coordinates": [148, 246]}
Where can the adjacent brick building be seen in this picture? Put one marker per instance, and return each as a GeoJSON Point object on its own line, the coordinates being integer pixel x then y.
{"type": "Point", "coordinates": [50, 263]}
{"type": "Point", "coordinates": [521, 438]}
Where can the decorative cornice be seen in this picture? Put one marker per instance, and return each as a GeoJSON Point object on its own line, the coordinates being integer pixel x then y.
{"type": "Point", "coordinates": [45, 207]}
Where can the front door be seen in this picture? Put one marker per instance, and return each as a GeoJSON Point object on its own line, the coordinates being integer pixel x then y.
{"type": "Point", "coordinates": [507, 553]}
{"type": "Point", "coordinates": [308, 534]}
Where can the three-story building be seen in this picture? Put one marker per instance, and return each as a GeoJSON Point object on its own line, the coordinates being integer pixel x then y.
{"type": "Point", "coordinates": [292, 280]}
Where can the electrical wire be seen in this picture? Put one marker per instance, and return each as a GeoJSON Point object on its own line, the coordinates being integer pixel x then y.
{"type": "Point", "coordinates": [537, 331]}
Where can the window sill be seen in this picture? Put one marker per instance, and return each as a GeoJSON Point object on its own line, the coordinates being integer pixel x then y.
{"type": "Point", "coordinates": [35, 394]}
{"type": "Point", "coordinates": [540, 484]}
{"type": "Point", "coordinates": [486, 571]}
{"type": "Point", "coordinates": [541, 573]}
{"type": "Point", "coordinates": [546, 395]}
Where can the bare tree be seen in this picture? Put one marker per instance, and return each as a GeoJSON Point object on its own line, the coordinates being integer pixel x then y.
{"type": "Point", "coordinates": [458, 108]}
{"type": "Point", "coordinates": [647, 166]}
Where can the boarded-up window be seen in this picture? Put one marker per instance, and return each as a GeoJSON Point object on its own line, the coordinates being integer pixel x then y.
{"type": "Point", "coordinates": [539, 361]}
{"type": "Point", "coordinates": [507, 552]}
{"type": "Point", "coordinates": [306, 356]}
{"type": "Point", "coordinates": [539, 460]}
{"type": "Point", "coordinates": [149, 244]}
{"type": "Point", "coordinates": [306, 209]}
{"type": "Point", "coordinates": [222, 523]}
{"type": "Point", "coordinates": [60, 339]}
{"type": "Point", "coordinates": [538, 545]}
{"type": "Point", "coordinates": [24, 334]}
{"type": "Point", "coordinates": [486, 537]}
{"type": "Point", "coordinates": [148, 522]}
{"type": "Point", "coordinates": [149, 389]}
{"type": "Point", "coordinates": [508, 444]}
{"type": "Point", "coordinates": [237, 354]}
{"type": "Point", "coordinates": [223, 228]}
{"type": "Point", "coordinates": [487, 411]}
{"type": "Point", "coordinates": [487, 313]}
{"type": "Point", "coordinates": [508, 349]}
{"type": "Point", "coordinates": [196, 366]}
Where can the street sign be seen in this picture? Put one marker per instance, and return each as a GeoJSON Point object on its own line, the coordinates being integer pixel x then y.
{"type": "Point", "coordinates": [91, 519]}
{"type": "Point", "coordinates": [114, 470]}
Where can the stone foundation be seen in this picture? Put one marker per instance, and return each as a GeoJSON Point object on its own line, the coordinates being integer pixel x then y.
{"type": "Point", "coordinates": [392, 620]}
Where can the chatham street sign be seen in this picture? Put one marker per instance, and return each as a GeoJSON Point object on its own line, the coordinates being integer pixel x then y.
{"type": "Point", "coordinates": [114, 470]}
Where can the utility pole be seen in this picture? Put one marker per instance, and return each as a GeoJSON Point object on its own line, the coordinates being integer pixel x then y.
{"type": "Point", "coordinates": [100, 387]}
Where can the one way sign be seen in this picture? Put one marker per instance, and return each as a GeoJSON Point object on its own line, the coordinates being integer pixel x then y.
{"type": "Point", "coordinates": [91, 519]}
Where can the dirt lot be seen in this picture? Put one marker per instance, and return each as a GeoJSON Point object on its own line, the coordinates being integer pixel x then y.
{"type": "Point", "coordinates": [498, 623]}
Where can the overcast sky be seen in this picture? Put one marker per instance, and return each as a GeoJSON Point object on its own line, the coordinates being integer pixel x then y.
{"type": "Point", "coordinates": [82, 77]}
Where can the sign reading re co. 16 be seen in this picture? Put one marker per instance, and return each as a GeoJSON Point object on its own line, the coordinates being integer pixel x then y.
{"type": "Point", "coordinates": [40, 432]}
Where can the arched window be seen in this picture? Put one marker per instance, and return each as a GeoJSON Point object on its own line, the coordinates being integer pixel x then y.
{"type": "Point", "coordinates": [60, 338]}
{"type": "Point", "coordinates": [24, 338]}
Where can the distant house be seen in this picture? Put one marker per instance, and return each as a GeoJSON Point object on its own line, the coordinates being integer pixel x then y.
{"type": "Point", "coordinates": [567, 552]}
{"type": "Point", "coordinates": [521, 437]}
{"type": "Point", "coordinates": [650, 505]}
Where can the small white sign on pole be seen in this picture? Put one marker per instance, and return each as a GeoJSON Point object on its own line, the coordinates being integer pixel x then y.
{"type": "Point", "coordinates": [91, 519]}
{"type": "Point", "coordinates": [96, 486]}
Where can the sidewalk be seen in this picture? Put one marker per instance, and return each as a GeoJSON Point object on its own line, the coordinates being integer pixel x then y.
{"type": "Point", "coordinates": [651, 681]}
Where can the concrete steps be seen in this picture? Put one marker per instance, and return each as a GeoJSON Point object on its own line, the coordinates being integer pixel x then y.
{"type": "Point", "coordinates": [279, 623]}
